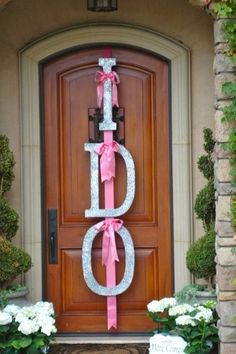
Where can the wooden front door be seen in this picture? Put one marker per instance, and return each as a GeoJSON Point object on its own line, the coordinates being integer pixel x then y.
{"type": "Point", "coordinates": [69, 90]}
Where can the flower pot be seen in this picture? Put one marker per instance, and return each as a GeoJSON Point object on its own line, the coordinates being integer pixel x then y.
{"type": "Point", "coordinates": [18, 297]}
{"type": "Point", "coordinates": [204, 296]}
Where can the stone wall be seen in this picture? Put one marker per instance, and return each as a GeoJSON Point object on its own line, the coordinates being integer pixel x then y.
{"type": "Point", "coordinates": [226, 260]}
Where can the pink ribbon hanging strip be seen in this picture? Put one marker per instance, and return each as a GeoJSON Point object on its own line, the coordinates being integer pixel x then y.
{"type": "Point", "coordinates": [109, 251]}
{"type": "Point", "coordinates": [107, 160]}
{"type": "Point", "coordinates": [100, 78]}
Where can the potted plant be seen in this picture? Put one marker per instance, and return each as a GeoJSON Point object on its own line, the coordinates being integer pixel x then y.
{"type": "Point", "coordinates": [200, 257]}
{"type": "Point", "coordinates": [27, 330]}
{"type": "Point", "coordinates": [196, 324]}
{"type": "Point", "coordinates": [14, 261]}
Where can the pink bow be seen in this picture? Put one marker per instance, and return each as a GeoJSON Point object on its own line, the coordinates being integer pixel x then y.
{"type": "Point", "coordinates": [101, 77]}
{"type": "Point", "coordinates": [107, 160]}
{"type": "Point", "coordinates": [109, 226]}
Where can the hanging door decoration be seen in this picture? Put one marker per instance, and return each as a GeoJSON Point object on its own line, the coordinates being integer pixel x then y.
{"type": "Point", "coordinates": [107, 81]}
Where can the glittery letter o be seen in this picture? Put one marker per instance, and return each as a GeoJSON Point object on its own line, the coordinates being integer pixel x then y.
{"type": "Point", "coordinates": [87, 264]}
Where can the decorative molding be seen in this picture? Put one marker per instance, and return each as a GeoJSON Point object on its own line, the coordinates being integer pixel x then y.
{"type": "Point", "coordinates": [142, 38]}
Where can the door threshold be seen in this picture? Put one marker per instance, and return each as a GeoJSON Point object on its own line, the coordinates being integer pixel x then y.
{"type": "Point", "coordinates": [96, 339]}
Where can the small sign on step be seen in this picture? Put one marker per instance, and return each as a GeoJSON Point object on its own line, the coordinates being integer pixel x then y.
{"type": "Point", "coordinates": [163, 344]}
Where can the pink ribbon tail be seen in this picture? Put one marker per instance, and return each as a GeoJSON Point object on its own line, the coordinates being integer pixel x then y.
{"type": "Point", "coordinates": [99, 95]}
{"type": "Point", "coordinates": [107, 160]}
{"type": "Point", "coordinates": [109, 250]}
{"type": "Point", "coordinates": [112, 312]}
{"type": "Point", "coordinates": [115, 81]}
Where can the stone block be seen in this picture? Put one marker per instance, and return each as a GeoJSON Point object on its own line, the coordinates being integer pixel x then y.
{"type": "Point", "coordinates": [221, 129]}
{"type": "Point", "coordinates": [225, 188]}
{"type": "Point", "coordinates": [222, 64]}
{"type": "Point", "coordinates": [227, 313]}
{"type": "Point", "coordinates": [224, 228]}
{"type": "Point", "coordinates": [221, 153]}
{"type": "Point", "coordinates": [224, 277]}
{"type": "Point", "coordinates": [223, 208]}
{"type": "Point", "coordinates": [221, 48]}
{"type": "Point", "coordinates": [227, 348]}
{"type": "Point", "coordinates": [227, 334]}
{"type": "Point", "coordinates": [223, 169]}
{"type": "Point", "coordinates": [220, 79]}
{"type": "Point", "coordinates": [227, 296]}
{"type": "Point", "coordinates": [225, 257]}
{"type": "Point", "coordinates": [226, 242]}
{"type": "Point", "coordinates": [218, 31]}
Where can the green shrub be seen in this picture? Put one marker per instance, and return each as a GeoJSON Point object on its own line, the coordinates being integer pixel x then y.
{"type": "Point", "coordinates": [206, 166]}
{"type": "Point", "coordinates": [7, 163]}
{"type": "Point", "coordinates": [201, 257]}
{"type": "Point", "coordinates": [8, 220]}
{"type": "Point", "coordinates": [14, 261]}
{"type": "Point", "coordinates": [205, 201]}
{"type": "Point", "coordinates": [205, 205]}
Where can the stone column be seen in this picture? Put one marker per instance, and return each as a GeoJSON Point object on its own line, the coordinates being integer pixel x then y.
{"type": "Point", "coordinates": [226, 260]}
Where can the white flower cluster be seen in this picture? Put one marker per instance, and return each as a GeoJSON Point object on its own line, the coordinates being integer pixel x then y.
{"type": "Point", "coordinates": [31, 319]}
{"type": "Point", "coordinates": [180, 309]}
{"type": "Point", "coordinates": [161, 305]}
{"type": "Point", "coordinates": [184, 314]}
{"type": "Point", "coordinates": [190, 315]}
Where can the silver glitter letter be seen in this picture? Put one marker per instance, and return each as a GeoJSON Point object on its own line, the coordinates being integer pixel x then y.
{"type": "Point", "coordinates": [87, 264]}
{"type": "Point", "coordinates": [94, 210]}
{"type": "Point", "coordinates": [107, 124]}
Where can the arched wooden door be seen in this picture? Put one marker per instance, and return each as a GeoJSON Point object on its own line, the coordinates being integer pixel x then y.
{"type": "Point", "coordinates": [69, 90]}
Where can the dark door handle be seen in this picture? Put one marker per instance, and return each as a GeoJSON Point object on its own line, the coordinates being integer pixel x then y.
{"type": "Point", "coordinates": [52, 235]}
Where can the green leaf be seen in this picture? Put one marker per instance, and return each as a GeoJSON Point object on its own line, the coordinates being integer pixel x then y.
{"type": "Point", "coordinates": [4, 329]}
{"type": "Point", "coordinates": [32, 350]}
{"type": "Point", "coordinates": [21, 342]}
{"type": "Point", "coordinates": [229, 88]}
{"type": "Point", "coordinates": [38, 342]}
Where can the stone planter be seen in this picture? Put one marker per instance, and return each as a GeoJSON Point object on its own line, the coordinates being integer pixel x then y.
{"type": "Point", "coordinates": [204, 296]}
{"type": "Point", "coordinates": [18, 297]}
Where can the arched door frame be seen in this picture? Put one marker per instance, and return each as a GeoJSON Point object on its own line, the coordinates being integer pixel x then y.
{"type": "Point", "coordinates": [94, 34]}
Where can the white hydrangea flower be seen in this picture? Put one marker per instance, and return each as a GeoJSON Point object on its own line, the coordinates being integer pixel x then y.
{"type": "Point", "coordinates": [185, 320]}
{"type": "Point", "coordinates": [12, 309]}
{"type": "Point", "coordinates": [24, 313]}
{"type": "Point", "coordinates": [5, 318]}
{"type": "Point", "coordinates": [48, 329]}
{"type": "Point", "coordinates": [45, 321]}
{"type": "Point", "coordinates": [44, 307]}
{"type": "Point", "coordinates": [31, 319]}
{"type": "Point", "coordinates": [180, 309]}
{"type": "Point", "coordinates": [161, 305]}
{"type": "Point", "coordinates": [153, 306]}
{"type": "Point", "coordinates": [28, 326]}
{"type": "Point", "coordinates": [169, 301]}
{"type": "Point", "coordinates": [204, 314]}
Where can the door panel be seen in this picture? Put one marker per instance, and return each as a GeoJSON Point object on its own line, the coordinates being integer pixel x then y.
{"type": "Point", "coordinates": [69, 90]}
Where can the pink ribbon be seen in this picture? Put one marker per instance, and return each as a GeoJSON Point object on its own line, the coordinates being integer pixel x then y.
{"type": "Point", "coordinates": [107, 160]}
{"type": "Point", "coordinates": [100, 78]}
{"type": "Point", "coordinates": [109, 250]}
